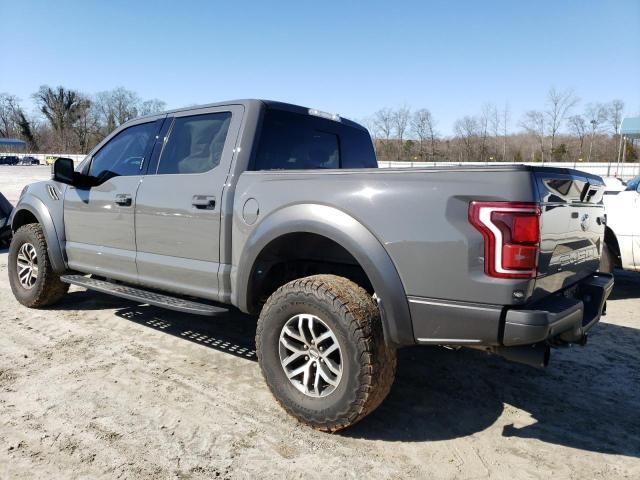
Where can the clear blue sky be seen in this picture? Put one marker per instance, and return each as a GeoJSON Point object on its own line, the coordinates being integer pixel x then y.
{"type": "Point", "coordinates": [341, 56]}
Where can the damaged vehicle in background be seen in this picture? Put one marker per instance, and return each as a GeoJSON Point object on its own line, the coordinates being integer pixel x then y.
{"type": "Point", "coordinates": [622, 234]}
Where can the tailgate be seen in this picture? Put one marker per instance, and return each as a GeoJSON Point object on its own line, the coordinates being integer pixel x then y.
{"type": "Point", "coordinates": [571, 227]}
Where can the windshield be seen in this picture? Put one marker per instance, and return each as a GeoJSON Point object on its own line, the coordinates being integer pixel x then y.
{"type": "Point", "coordinates": [633, 183]}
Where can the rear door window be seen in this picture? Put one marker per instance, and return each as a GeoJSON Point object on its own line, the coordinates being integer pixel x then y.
{"type": "Point", "coordinates": [195, 144]}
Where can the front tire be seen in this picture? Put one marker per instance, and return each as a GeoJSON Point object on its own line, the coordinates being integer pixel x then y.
{"type": "Point", "coordinates": [33, 281]}
{"type": "Point", "coordinates": [322, 351]}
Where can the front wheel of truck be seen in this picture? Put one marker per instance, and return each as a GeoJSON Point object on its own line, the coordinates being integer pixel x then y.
{"type": "Point", "coordinates": [322, 351]}
{"type": "Point", "coordinates": [33, 281]}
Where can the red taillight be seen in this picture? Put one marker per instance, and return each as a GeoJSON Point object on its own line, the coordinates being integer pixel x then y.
{"type": "Point", "coordinates": [526, 228]}
{"type": "Point", "coordinates": [511, 234]}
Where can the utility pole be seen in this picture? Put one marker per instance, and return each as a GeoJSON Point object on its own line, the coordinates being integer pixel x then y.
{"type": "Point", "coordinates": [593, 132]}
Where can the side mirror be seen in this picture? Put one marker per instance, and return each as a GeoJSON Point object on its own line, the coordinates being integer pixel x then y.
{"type": "Point", "coordinates": [63, 170]}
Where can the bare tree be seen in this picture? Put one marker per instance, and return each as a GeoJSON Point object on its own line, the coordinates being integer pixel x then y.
{"type": "Point", "coordinates": [495, 123]}
{"type": "Point", "coordinates": [26, 131]}
{"type": "Point", "coordinates": [383, 121]}
{"type": "Point", "coordinates": [9, 110]}
{"type": "Point", "coordinates": [71, 121]}
{"type": "Point", "coordinates": [483, 131]}
{"type": "Point", "coordinates": [423, 126]}
{"type": "Point", "coordinates": [60, 106]}
{"type": "Point", "coordinates": [370, 123]}
{"type": "Point", "coordinates": [505, 130]}
{"type": "Point", "coordinates": [578, 125]}
{"type": "Point", "coordinates": [596, 115]}
{"type": "Point", "coordinates": [534, 123]}
{"type": "Point", "coordinates": [467, 129]}
{"type": "Point", "coordinates": [614, 115]}
{"type": "Point", "coordinates": [117, 106]}
{"type": "Point", "coordinates": [400, 122]}
{"type": "Point", "coordinates": [154, 105]}
{"type": "Point", "coordinates": [559, 104]}
{"type": "Point", "coordinates": [86, 126]}
{"type": "Point", "coordinates": [616, 107]}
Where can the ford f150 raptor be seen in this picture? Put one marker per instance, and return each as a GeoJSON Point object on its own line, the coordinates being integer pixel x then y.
{"type": "Point", "coordinates": [280, 211]}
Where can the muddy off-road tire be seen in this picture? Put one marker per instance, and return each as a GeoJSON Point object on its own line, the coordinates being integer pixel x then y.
{"type": "Point", "coordinates": [607, 260]}
{"type": "Point", "coordinates": [32, 279]}
{"type": "Point", "coordinates": [322, 352]}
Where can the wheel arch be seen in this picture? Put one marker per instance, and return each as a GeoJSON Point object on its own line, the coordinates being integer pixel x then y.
{"type": "Point", "coordinates": [339, 228]}
{"type": "Point", "coordinates": [611, 240]}
{"type": "Point", "coordinates": [33, 210]}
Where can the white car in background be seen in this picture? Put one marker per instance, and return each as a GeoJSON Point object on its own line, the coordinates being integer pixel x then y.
{"type": "Point", "coordinates": [613, 184]}
{"type": "Point", "coordinates": [622, 235]}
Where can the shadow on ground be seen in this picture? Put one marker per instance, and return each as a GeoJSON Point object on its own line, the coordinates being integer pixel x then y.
{"type": "Point", "coordinates": [627, 285]}
{"type": "Point", "coordinates": [588, 398]}
{"type": "Point", "coordinates": [232, 332]}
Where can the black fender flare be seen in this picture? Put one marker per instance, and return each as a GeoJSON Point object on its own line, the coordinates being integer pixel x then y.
{"type": "Point", "coordinates": [343, 229]}
{"type": "Point", "coordinates": [39, 210]}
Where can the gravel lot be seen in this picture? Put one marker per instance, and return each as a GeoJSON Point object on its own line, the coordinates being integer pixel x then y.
{"type": "Point", "coordinates": [99, 387]}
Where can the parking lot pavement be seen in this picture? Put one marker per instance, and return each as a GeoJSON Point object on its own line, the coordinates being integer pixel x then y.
{"type": "Point", "coordinates": [98, 387]}
{"type": "Point", "coordinates": [14, 178]}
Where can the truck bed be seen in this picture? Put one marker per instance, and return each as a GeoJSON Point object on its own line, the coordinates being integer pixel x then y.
{"type": "Point", "coordinates": [421, 218]}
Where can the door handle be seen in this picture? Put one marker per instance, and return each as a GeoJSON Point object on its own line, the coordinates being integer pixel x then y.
{"type": "Point", "coordinates": [204, 202]}
{"type": "Point", "coordinates": [123, 199]}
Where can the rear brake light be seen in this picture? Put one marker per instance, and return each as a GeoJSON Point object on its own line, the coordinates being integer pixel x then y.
{"type": "Point", "coordinates": [511, 234]}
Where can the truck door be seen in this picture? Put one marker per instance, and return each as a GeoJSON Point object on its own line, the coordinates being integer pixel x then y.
{"type": "Point", "coordinates": [179, 203]}
{"type": "Point", "coordinates": [99, 220]}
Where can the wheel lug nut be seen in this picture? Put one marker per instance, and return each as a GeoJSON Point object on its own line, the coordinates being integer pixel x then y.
{"type": "Point", "coordinates": [306, 358]}
{"type": "Point", "coordinates": [306, 347]}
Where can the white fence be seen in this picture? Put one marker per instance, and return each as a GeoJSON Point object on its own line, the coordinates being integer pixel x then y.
{"type": "Point", "coordinates": [624, 170]}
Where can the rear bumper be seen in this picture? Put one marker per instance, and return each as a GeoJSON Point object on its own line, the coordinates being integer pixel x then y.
{"type": "Point", "coordinates": [566, 316]}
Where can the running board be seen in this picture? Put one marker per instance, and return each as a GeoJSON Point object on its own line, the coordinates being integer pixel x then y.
{"type": "Point", "coordinates": [143, 296]}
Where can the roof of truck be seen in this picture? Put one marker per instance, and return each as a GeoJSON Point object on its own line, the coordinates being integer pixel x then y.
{"type": "Point", "coordinates": [269, 103]}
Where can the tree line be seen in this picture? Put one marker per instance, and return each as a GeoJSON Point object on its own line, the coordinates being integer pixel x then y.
{"type": "Point", "coordinates": [562, 130]}
{"type": "Point", "coordinates": [68, 121]}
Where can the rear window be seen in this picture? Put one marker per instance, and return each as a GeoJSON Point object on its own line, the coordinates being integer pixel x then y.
{"type": "Point", "coordinates": [293, 141]}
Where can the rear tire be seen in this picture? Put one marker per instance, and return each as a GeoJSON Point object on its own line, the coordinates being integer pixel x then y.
{"type": "Point", "coordinates": [33, 281]}
{"type": "Point", "coordinates": [607, 260]}
{"type": "Point", "coordinates": [360, 370]}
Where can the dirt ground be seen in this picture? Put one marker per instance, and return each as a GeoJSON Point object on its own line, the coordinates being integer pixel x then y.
{"type": "Point", "coordinates": [99, 387]}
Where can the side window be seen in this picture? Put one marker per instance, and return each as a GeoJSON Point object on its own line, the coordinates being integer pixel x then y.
{"type": "Point", "coordinates": [124, 154]}
{"type": "Point", "coordinates": [195, 143]}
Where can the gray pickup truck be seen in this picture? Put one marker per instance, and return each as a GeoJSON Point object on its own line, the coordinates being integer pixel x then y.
{"type": "Point", "coordinates": [280, 211]}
